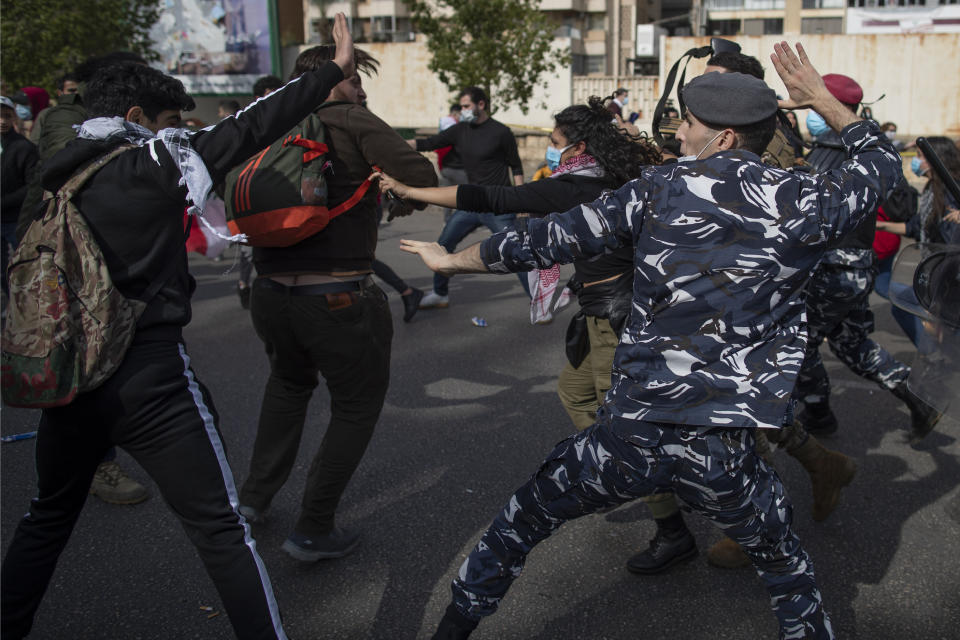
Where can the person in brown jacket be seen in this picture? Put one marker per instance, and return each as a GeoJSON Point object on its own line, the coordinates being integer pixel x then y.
{"type": "Point", "coordinates": [317, 310]}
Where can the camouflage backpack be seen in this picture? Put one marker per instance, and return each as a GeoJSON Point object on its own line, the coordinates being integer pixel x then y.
{"type": "Point", "coordinates": [68, 327]}
{"type": "Point", "coordinates": [279, 196]}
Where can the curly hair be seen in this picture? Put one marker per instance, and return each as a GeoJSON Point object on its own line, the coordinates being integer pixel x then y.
{"type": "Point", "coordinates": [621, 156]}
{"type": "Point", "coordinates": [947, 151]}
{"type": "Point", "coordinates": [114, 89]}
{"type": "Point", "coordinates": [315, 57]}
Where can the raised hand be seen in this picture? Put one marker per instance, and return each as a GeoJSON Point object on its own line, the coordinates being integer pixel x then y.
{"type": "Point", "coordinates": [802, 81]}
{"type": "Point", "coordinates": [806, 87]}
{"type": "Point", "coordinates": [344, 43]}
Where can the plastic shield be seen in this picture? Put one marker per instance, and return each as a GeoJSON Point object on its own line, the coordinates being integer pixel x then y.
{"type": "Point", "coordinates": [925, 292]}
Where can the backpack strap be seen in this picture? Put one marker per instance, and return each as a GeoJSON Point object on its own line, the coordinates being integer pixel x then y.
{"type": "Point", "coordinates": [357, 196]}
{"type": "Point", "coordinates": [80, 178]}
{"type": "Point", "coordinates": [697, 52]}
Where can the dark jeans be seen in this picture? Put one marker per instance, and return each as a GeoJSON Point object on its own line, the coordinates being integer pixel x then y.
{"type": "Point", "coordinates": [388, 275]}
{"type": "Point", "coordinates": [462, 224]}
{"type": "Point", "coordinates": [155, 409]}
{"type": "Point", "coordinates": [350, 348]}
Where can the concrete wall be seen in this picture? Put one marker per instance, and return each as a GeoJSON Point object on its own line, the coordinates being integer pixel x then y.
{"type": "Point", "coordinates": [407, 94]}
{"type": "Point", "coordinates": [917, 72]}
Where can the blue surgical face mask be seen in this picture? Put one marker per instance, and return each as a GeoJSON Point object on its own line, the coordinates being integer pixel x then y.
{"type": "Point", "coordinates": [553, 156]}
{"type": "Point", "coordinates": [23, 112]}
{"type": "Point", "coordinates": [916, 167]}
{"type": "Point", "coordinates": [467, 115]}
{"type": "Point", "coordinates": [624, 100]}
{"type": "Point", "coordinates": [816, 125]}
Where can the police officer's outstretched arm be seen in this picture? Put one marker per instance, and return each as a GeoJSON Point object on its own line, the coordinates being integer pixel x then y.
{"type": "Point", "coordinates": [842, 196]}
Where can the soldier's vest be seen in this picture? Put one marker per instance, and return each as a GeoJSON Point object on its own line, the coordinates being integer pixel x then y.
{"type": "Point", "coordinates": [68, 327]}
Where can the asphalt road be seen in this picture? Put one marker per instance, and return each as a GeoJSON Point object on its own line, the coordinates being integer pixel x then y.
{"type": "Point", "coordinates": [469, 416]}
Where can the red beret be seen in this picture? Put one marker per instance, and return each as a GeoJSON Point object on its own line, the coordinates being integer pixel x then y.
{"type": "Point", "coordinates": [843, 88]}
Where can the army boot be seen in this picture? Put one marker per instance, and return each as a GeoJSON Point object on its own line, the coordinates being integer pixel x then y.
{"type": "Point", "coordinates": [923, 417]}
{"type": "Point", "coordinates": [727, 554]}
{"type": "Point", "coordinates": [817, 418]}
{"type": "Point", "coordinates": [454, 626]}
{"type": "Point", "coordinates": [673, 543]}
{"type": "Point", "coordinates": [830, 471]}
{"type": "Point", "coordinates": [111, 484]}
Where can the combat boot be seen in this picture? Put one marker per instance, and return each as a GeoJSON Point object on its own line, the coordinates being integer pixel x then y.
{"type": "Point", "coordinates": [830, 471]}
{"type": "Point", "coordinates": [454, 626]}
{"type": "Point", "coordinates": [727, 554]}
{"type": "Point", "coordinates": [111, 484]}
{"type": "Point", "coordinates": [673, 543]}
{"type": "Point", "coordinates": [923, 417]}
{"type": "Point", "coordinates": [817, 418]}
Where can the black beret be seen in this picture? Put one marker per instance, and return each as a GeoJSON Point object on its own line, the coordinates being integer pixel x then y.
{"type": "Point", "coordinates": [729, 99]}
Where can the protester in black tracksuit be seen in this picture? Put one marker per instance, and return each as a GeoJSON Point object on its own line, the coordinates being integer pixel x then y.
{"type": "Point", "coordinates": [153, 406]}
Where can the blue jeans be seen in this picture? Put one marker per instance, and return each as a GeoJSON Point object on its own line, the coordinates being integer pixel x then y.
{"type": "Point", "coordinates": [882, 284]}
{"type": "Point", "coordinates": [912, 325]}
{"type": "Point", "coordinates": [461, 224]}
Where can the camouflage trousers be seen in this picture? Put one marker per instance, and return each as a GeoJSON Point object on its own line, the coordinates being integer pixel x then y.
{"type": "Point", "coordinates": [718, 474]}
{"type": "Point", "coordinates": [838, 310]}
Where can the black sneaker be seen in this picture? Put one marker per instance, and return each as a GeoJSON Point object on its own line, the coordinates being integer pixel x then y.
{"type": "Point", "coordinates": [411, 303]}
{"type": "Point", "coordinates": [665, 550]}
{"type": "Point", "coordinates": [335, 544]}
{"type": "Point", "coordinates": [244, 293]}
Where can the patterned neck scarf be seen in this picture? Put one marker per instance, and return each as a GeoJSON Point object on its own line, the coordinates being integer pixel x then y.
{"type": "Point", "coordinates": [193, 171]}
{"type": "Point", "coordinates": [581, 165]}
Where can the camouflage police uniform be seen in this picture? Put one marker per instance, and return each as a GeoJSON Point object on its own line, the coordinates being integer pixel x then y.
{"type": "Point", "coordinates": [838, 307]}
{"type": "Point", "coordinates": [711, 351]}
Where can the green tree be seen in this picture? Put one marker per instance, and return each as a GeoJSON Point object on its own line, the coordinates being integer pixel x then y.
{"type": "Point", "coordinates": [503, 46]}
{"type": "Point", "coordinates": [41, 40]}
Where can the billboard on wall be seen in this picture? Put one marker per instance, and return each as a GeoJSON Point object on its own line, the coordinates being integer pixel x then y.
{"type": "Point", "coordinates": [216, 46]}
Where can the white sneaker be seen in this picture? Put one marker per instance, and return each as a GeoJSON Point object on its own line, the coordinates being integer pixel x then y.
{"type": "Point", "coordinates": [434, 301]}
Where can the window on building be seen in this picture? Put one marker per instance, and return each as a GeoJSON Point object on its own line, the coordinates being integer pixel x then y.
{"type": "Point", "coordinates": [596, 64]}
{"type": "Point", "coordinates": [821, 25]}
{"type": "Point", "coordinates": [869, 4]}
{"type": "Point", "coordinates": [762, 26]}
{"type": "Point", "coordinates": [723, 27]}
{"type": "Point", "coordinates": [577, 64]}
{"type": "Point", "coordinates": [596, 22]}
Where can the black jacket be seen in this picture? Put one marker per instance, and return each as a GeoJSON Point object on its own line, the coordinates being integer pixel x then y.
{"type": "Point", "coordinates": [16, 165]}
{"type": "Point", "coordinates": [134, 205]}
